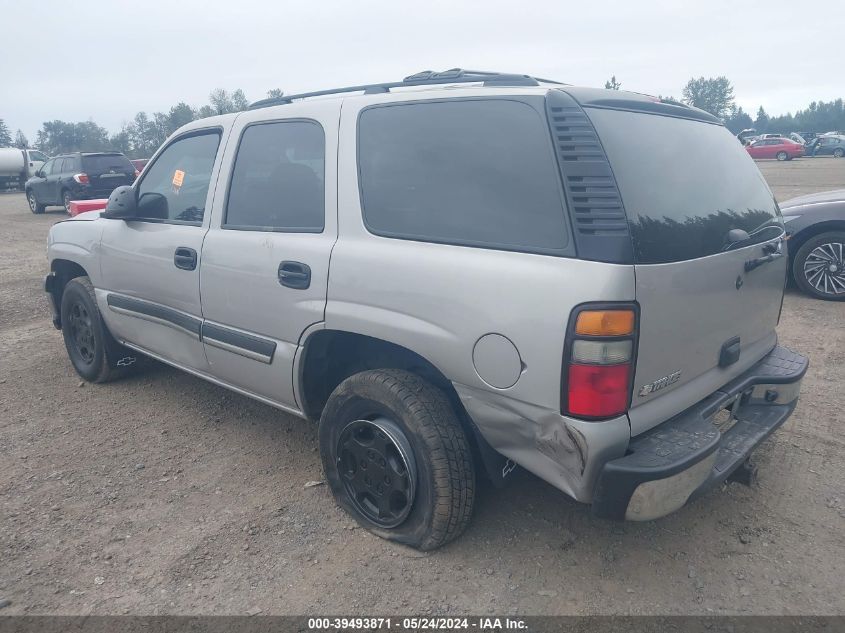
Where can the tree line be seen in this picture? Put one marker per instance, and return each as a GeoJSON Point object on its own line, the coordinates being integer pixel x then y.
{"type": "Point", "coordinates": [140, 137]}
{"type": "Point", "coordinates": [716, 96]}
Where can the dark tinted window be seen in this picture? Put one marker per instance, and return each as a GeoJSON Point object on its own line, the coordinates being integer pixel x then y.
{"type": "Point", "coordinates": [684, 185]}
{"type": "Point", "coordinates": [278, 182]}
{"type": "Point", "coordinates": [105, 163]}
{"type": "Point", "coordinates": [473, 172]}
{"type": "Point", "coordinates": [59, 166]}
{"type": "Point", "coordinates": [175, 186]}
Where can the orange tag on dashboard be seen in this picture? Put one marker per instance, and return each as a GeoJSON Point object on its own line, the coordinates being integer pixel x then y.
{"type": "Point", "coordinates": [178, 177]}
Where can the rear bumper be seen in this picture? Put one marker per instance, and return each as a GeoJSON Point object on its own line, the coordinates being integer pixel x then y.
{"type": "Point", "coordinates": [687, 455]}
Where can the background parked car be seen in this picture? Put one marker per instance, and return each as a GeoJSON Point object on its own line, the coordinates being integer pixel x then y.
{"type": "Point", "coordinates": [779, 148]}
{"type": "Point", "coordinates": [79, 176]}
{"type": "Point", "coordinates": [815, 225]}
{"type": "Point", "coordinates": [17, 165]}
{"type": "Point", "coordinates": [828, 145]}
{"type": "Point", "coordinates": [140, 163]}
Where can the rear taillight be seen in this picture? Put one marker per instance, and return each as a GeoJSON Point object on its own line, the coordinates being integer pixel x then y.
{"type": "Point", "coordinates": [82, 179]}
{"type": "Point", "coordinates": [598, 361]}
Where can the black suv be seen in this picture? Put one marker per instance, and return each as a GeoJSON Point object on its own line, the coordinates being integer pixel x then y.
{"type": "Point", "coordinates": [78, 176]}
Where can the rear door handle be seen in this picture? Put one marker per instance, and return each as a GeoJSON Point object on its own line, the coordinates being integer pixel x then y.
{"type": "Point", "coordinates": [295, 275]}
{"type": "Point", "coordinates": [185, 258]}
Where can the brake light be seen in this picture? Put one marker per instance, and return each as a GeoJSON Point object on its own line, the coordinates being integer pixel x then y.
{"type": "Point", "coordinates": [82, 179]}
{"type": "Point", "coordinates": [598, 362]}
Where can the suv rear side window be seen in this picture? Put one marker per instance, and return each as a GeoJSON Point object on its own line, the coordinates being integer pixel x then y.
{"type": "Point", "coordinates": [684, 184]}
{"type": "Point", "coordinates": [175, 187]}
{"type": "Point", "coordinates": [278, 183]}
{"type": "Point", "coordinates": [469, 172]}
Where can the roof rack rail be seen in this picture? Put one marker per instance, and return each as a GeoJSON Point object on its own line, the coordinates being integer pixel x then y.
{"type": "Point", "coordinates": [426, 77]}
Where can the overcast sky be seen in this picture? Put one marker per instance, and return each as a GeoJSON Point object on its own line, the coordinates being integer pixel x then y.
{"type": "Point", "coordinates": [106, 60]}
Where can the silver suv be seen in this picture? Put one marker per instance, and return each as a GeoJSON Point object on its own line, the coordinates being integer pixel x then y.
{"type": "Point", "coordinates": [456, 274]}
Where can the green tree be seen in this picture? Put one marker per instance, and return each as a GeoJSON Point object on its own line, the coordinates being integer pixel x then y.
{"type": "Point", "coordinates": [738, 120]}
{"type": "Point", "coordinates": [21, 142]}
{"type": "Point", "coordinates": [5, 136]}
{"type": "Point", "coordinates": [58, 137]}
{"type": "Point", "coordinates": [239, 101]}
{"type": "Point", "coordinates": [275, 93]}
{"type": "Point", "coordinates": [612, 84]}
{"type": "Point", "coordinates": [761, 123]}
{"type": "Point", "coordinates": [714, 95]}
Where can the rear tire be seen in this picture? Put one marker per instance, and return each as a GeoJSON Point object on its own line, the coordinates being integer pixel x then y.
{"type": "Point", "coordinates": [34, 205]}
{"type": "Point", "coordinates": [819, 266]}
{"type": "Point", "coordinates": [92, 350]}
{"type": "Point", "coordinates": [66, 198]}
{"type": "Point", "coordinates": [782, 156]}
{"type": "Point", "coordinates": [387, 423]}
{"type": "Point", "coordinates": [838, 152]}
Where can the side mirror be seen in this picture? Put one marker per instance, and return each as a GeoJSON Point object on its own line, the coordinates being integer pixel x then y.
{"type": "Point", "coordinates": [122, 204]}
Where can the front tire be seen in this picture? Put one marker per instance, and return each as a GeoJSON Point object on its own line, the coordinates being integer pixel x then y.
{"type": "Point", "coordinates": [396, 458]}
{"type": "Point", "coordinates": [819, 266]}
{"type": "Point", "coordinates": [838, 152]}
{"type": "Point", "coordinates": [782, 156]}
{"type": "Point", "coordinates": [34, 205]}
{"type": "Point", "coordinates": [92, 350]}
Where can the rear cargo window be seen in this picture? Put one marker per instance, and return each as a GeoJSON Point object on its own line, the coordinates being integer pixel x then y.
{"type": "Point", "coordinates": [471, 172]}
{"type": "Point", "coordinates": [684, 184]}
{"type": "Point", "coordinates": [104, 163]}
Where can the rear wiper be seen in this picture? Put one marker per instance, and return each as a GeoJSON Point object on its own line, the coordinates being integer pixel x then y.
{"type": "Point", "coordinates": [772, 250]}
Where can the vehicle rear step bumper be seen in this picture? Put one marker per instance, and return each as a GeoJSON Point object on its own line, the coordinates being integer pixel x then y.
{"type": "Point", "coordinates": [687, 455]}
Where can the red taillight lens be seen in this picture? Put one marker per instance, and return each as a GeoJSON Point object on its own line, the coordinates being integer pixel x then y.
{"type": "Point", "coordinates": [598, 391]}
{"type": "Point", "coordinates": [598, 360]}
{"type": "Point", "coordinates": [82, 179]}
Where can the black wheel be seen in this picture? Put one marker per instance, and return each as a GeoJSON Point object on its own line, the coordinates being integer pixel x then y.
{"type": "Point", "coordinates": [396, 458]}
{"type": "Point", "coordinates": [781, 156]}
{"type": "Point", "coordinates": [94, 353]}
{"type": "Point", "coordinates": [839, 152]}
{"type": "Point", "coordinates": [66, 198]}
{"type": "Point", "coordinates": [34, 205]}
{"type": "Point", "coordinates": [819, 266]}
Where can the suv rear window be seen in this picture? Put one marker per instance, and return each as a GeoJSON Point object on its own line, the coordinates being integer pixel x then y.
{"type": "Point", "coordinates": [684, 185]}
{"type": "Point", "coordinates": [471, 172]}
{"type": "Point", "coordinates": [103, 163]}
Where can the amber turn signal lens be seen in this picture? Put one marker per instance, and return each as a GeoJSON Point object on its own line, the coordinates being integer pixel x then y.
{"type": "Point", "coordinates": [605, 322]}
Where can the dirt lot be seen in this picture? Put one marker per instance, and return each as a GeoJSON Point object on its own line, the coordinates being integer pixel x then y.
{"type": "Point", "coordinates": [165, 494]}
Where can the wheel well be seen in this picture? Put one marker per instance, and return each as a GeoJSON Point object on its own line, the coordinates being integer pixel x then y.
{"type": "Point", "coordinates": [797, 241]}
{"type": "Point", "coordinates": [331, 356]}
{"type": "Point", "coordinates": [65, 270]}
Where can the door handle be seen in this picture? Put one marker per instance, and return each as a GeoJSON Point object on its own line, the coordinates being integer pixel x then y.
{"type": "Point", "coordinates": [295, 275]}
{"type": "Point", "coordinates": [185, 258]}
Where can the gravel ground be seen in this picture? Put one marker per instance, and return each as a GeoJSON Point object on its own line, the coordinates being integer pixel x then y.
{"type": "Point", "coordinates": [163, 494]}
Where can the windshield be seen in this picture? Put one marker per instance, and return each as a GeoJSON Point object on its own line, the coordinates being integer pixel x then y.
{"type": "Point", "coordinates": [104, 163]}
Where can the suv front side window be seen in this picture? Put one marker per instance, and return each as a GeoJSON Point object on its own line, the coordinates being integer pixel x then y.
{"type": "Point", "coordinates": [278, 182]}
{"type": "Point", "coordinates": [175, 187]}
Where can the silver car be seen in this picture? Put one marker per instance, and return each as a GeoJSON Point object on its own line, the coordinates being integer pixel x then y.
{"type": "Point", "coordinates": [456, 274]}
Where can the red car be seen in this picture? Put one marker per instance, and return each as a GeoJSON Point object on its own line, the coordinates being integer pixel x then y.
{"type": "Point", "coordinates": [780, 148]}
